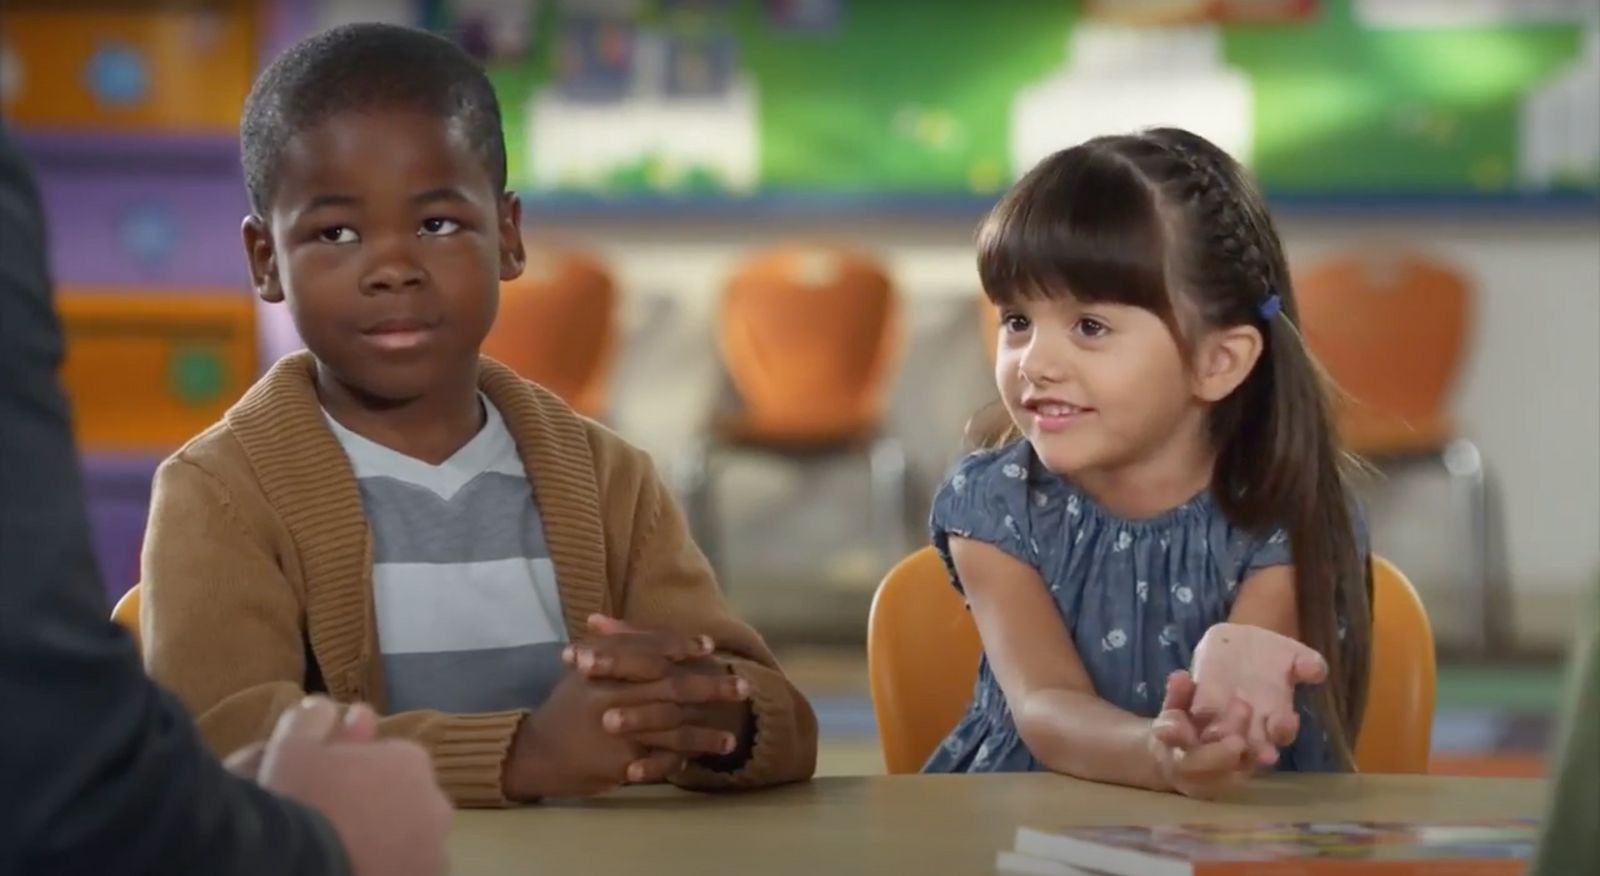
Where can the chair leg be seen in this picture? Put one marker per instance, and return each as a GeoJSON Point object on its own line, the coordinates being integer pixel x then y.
{"type": "Point", "coordinates": [697, 485]}
{"type": "Point", "coordinates": [1502, 619]}
{"type": "Point", "coordinates": [1464, 463]}
{"type": "Point", "coordinates": [890, 485]}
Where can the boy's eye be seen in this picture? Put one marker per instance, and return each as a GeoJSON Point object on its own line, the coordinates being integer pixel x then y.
{"type": "Point", "coordinates": [439, 226]}
{"type": "Point", "coordinates": [1090, 327]}
{"type": "Point", "coordinates": [339, 234]}
{"type": "Point", "coordinates": [1014, 322]}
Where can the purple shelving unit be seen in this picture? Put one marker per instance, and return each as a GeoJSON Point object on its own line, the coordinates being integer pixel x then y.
{"type": "Point", "coordinates": [146, 211]}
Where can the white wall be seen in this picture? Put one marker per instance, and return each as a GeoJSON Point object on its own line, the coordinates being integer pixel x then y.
{"type": "Point", "coordinates": [1530, 397]}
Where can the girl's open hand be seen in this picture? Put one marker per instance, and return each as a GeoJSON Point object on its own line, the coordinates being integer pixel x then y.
{"type": "Point", "coordinates": [1261, 668]}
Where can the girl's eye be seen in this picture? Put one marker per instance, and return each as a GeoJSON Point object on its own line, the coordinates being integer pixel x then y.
{"type": "Point", "coordinates": [1090, 327]}
{"type": "Point", "coordinates": [339, 234]}
{"type": "Point", "coordinates": [1014, 322]}
{"type": "Point", "coordinates": [439, 226]}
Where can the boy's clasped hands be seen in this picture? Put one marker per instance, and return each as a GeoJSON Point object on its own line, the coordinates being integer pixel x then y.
{"type": "Point", "coordinates": [1227, 718]}
{"type": "Point", "coordinates": [635, 707]}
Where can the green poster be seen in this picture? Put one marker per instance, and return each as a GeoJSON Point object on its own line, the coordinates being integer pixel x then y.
{"type": "Point", "coordinates": [731, 99]}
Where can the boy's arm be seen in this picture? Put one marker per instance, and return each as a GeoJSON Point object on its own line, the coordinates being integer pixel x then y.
{"type": "Point", "coordinates": [667, 584]}
{"type": "Point", "coordinates": [225, 629]}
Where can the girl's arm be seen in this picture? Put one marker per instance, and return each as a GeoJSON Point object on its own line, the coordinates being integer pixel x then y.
{"type": "Point", "coordinates": [1266, 599]}
{"type": "Point", "coordinates": [1066, 725]}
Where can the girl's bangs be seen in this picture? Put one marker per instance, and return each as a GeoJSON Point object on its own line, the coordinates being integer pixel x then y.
{"type": "Point", "coordinates": [1082, 224]}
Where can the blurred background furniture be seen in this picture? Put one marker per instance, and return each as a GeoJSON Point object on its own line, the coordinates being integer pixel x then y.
{"type": "Point", "coordinates": [809, 336]}
{"type": "Point", "coordinates": [1392, 329]}
{"type": "Point", "coordinates": [557, 326]}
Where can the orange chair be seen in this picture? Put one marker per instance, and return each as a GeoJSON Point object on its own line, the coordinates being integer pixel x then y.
{"type": "Point", "coordinates": [922, 659]}
{"type": "Point", "coordinates": [557, 326]}
{"type": "Point", "coordinates": [923, 651]}
{"type": "Point", "coordinates": [1392, 330]}
{"type": "Point", "coordinates": [809, 337]}
{"type": "Point", "coordinates": [126, 613]}
{"type": "Point", "coordinates": [1398, 726]}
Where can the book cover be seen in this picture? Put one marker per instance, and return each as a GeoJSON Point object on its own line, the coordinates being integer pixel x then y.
{"type": "Point", "coordinates": [1018, 864]}
{"type": "Point", "coordinates": [1369, 848]}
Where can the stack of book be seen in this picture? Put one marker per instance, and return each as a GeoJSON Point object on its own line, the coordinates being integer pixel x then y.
{"type": "Point", "coordinates": [1344, 848]}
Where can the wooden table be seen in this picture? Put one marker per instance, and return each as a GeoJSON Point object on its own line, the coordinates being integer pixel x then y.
{"type": "Point", "coordinates": [912, 825]}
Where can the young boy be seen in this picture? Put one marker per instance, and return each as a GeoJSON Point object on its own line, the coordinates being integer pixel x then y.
{"type": "Point", "coordinates": [389, 517]}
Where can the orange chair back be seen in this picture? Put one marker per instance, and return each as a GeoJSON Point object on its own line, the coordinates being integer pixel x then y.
{"type": "Point", "coordinates": [1391, 330]}
{"type": "Point", "coordinates": [557, 326]}
{"type": "Point", "coordinates": [809, 335]}
{"type": "Point", "coordinates": [126, 613]}
{"type": "Point", "coordinates": [923, 652]}
{"type": "Point", "coordinates": [922, 659]}
{"type": "Point", "coordinates": [1398, 727]}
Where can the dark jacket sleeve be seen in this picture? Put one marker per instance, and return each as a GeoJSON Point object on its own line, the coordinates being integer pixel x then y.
{"type": "Point", "coordinates": [100, 771]}
{"type": "Point", "coordinates": [1568, 842]}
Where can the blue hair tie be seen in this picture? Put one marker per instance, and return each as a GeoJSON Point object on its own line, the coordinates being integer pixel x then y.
{"type": "Point", "coordinates": [1271, 307]}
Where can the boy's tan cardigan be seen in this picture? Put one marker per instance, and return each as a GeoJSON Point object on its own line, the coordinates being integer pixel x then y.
{"type": "Point", "coordinates": [257, 572]}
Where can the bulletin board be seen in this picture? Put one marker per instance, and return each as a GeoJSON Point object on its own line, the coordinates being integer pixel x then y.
{"type": "Point", "coordinates": [858, 99]}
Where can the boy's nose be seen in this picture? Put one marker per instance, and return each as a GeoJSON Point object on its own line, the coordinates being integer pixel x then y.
{"type": "Point", "coordinates": [390, 276]}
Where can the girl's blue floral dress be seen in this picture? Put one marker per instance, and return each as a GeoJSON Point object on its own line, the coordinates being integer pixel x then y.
{"type": "Point", "coordinates": [1136, 595]}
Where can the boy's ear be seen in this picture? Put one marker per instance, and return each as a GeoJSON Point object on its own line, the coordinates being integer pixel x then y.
{"type": "Point", "coordinates": [258, 250]}
{"type": "Point", "coordinates": [1223, 360]}
{"type": "Point", "coordinates": [513, 255]}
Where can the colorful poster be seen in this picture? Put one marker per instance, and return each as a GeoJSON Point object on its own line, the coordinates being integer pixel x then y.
{"type": "Point", "coordinates": [731, 99]}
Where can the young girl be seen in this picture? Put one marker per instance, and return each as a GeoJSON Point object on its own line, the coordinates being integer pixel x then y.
{"type": "Point", "coordinates": [1169, 465]}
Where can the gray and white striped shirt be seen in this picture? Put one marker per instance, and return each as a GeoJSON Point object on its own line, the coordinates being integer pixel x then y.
{"type": "Point", "coordinates": [469, 617]}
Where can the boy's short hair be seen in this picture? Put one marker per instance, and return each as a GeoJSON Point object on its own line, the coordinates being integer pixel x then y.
{"type": "Point", "coordinates": [362, 67]}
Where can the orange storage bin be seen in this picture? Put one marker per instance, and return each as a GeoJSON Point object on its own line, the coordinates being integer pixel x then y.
{"type": "Point", "coordinates": [172, 68]}
{"type": "Point", "coordinates": [148, 371]}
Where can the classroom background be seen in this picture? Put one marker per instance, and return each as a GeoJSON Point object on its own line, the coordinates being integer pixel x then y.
{"type": "Point", "coordinates": [752, 228]}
